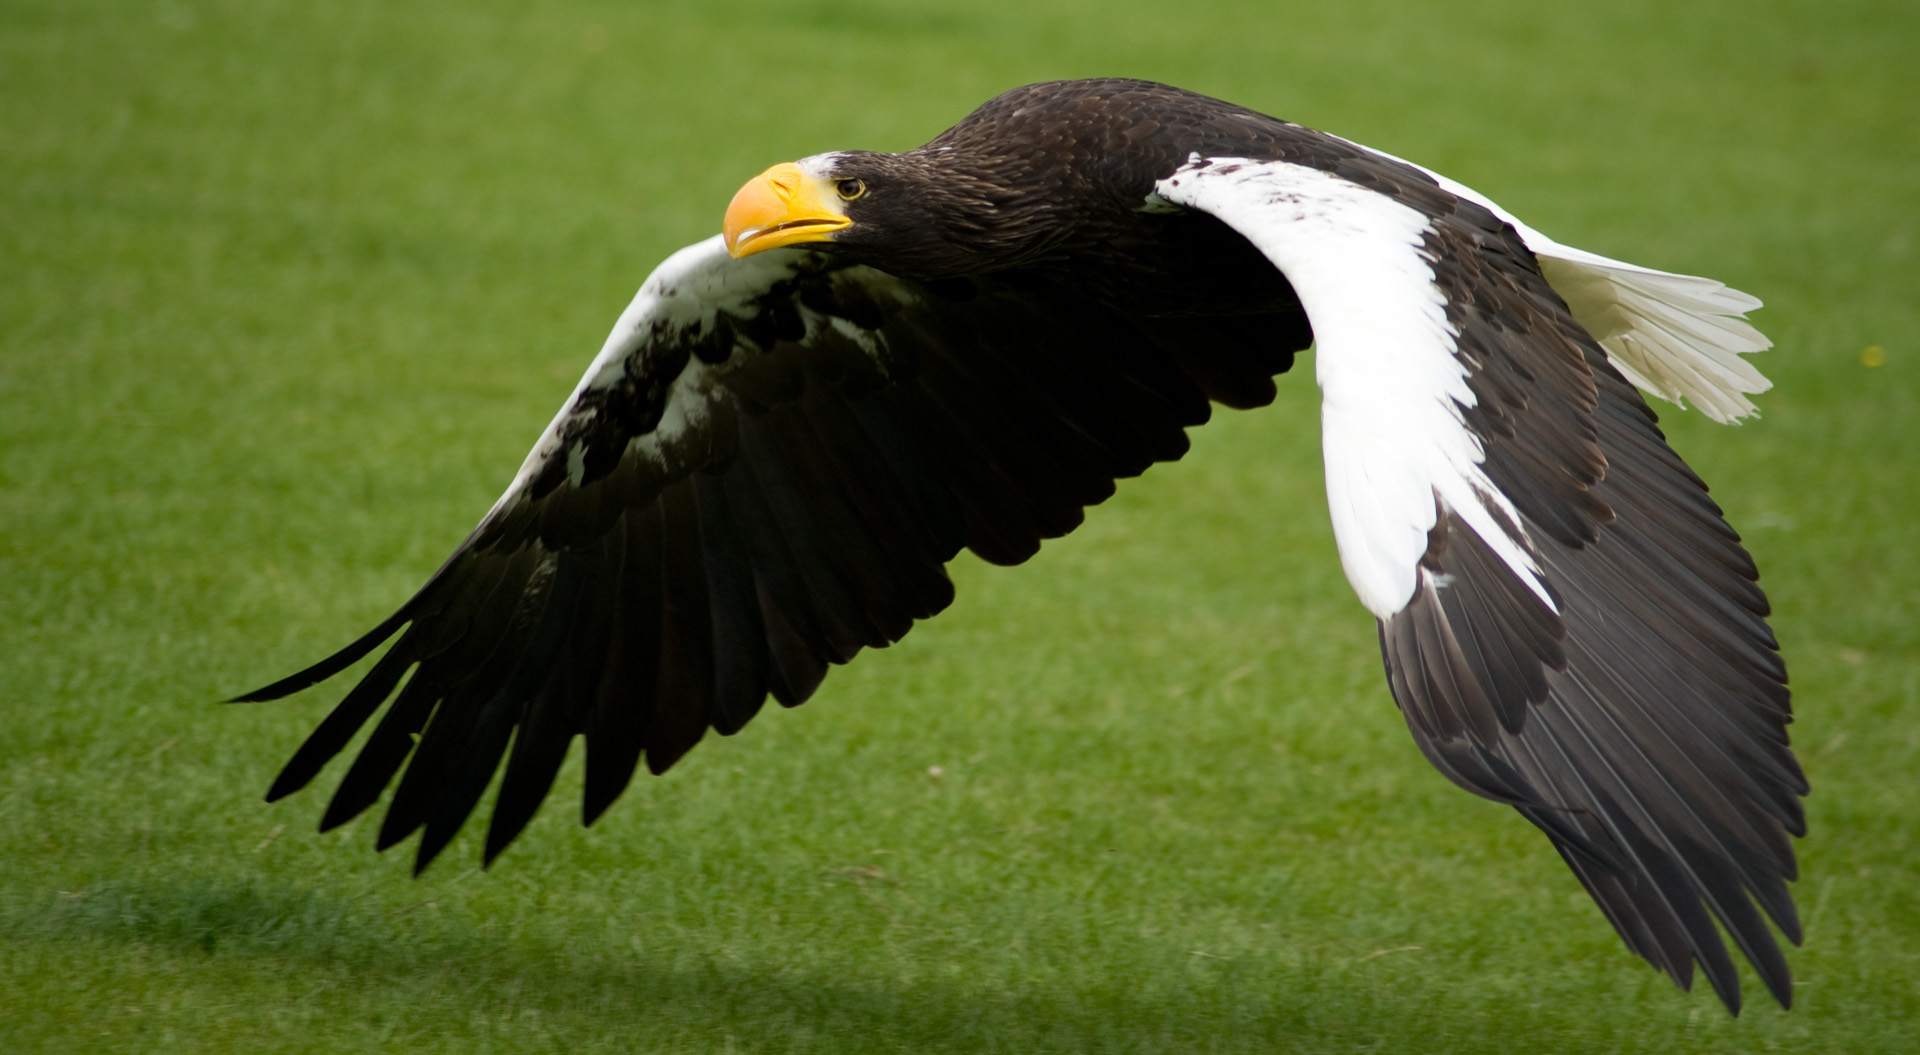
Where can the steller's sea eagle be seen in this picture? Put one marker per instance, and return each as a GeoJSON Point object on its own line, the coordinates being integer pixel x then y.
{"type": "Point", "coordinates": [887, 358]}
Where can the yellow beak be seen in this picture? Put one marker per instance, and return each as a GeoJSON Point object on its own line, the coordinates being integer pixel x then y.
{"type": "Point", "coordinates": [782, 206]}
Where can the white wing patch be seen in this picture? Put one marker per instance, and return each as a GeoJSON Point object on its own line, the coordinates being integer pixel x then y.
{"type": "Point", "coordinates": [684, 297]}
{"type": "Point", "coordinates": [1393, 392]}
{"type": "Point", "coordinates": [685, 291]}
{"type": "Point", "coordinates": [1679, 337]}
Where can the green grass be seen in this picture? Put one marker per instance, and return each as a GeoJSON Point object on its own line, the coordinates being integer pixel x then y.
{"type": "Point", "coordinates": [286, 290]}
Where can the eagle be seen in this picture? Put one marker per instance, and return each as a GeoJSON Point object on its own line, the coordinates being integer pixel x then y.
{"type": "Point", "coordinates": [887, 358]}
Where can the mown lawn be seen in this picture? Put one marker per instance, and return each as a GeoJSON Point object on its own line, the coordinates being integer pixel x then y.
{"type": "Point", "coordinates": [286, 290]}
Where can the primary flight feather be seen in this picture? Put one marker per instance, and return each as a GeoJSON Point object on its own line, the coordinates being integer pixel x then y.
{"type": "Point", "coordinates": [887, 358]}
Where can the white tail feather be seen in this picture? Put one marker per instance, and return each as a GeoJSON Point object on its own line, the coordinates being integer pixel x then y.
{"type": "Point", "coordinates": [1678, 337]}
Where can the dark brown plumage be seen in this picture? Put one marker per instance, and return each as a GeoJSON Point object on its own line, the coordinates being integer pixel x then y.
{"type": "Point", "coordinates": [769, 465]}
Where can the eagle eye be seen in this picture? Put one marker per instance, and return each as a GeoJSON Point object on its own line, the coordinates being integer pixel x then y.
{"type": "Point", "coordinates": [849, 189]}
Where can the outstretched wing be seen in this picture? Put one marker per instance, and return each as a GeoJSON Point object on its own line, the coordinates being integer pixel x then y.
{"type": "Point", "coordinates": [1568, 624]}
{"type": "Point", "coordinates": [762, 473]}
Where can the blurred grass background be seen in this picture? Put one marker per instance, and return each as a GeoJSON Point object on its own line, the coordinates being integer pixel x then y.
{"type": "Point", "coordinates": [286, 291]}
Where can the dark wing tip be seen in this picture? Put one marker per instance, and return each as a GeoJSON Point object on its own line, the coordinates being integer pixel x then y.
{"type": "Point", "coordinates": [331, 665]}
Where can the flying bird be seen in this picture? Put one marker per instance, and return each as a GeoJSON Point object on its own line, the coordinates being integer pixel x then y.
{"type": "Point", "coordinates": [888, 358]}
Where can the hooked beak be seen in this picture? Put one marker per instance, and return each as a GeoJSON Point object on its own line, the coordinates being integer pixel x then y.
{"type": "Point", "coordinates": [782, 206]}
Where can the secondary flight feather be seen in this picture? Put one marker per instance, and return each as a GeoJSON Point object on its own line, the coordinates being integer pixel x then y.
{"type": "Point", "coordinates": [888, 358]}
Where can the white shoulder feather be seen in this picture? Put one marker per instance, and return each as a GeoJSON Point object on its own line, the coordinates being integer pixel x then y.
{"type": "Point", "coordinates": [1396, 444]}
